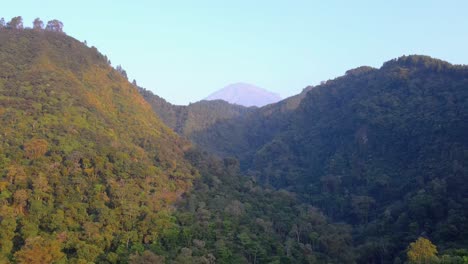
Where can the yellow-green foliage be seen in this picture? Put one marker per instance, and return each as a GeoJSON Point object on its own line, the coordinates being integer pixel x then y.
{"type": "Point", "coordinates": [86, 168]}
{"type": "Point", "coordinates": [422, 251]}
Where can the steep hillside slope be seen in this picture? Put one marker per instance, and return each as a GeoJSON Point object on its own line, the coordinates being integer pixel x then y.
{"type": "Point", "coordinates": [87, 171]}
{"type": "Point", "coordinates": [241, 136]}
{"type": "Point", "coordinates": [228, 218]}
{"type": "Point", "coordinates": [382, 149]}
{"type": "Point", "coordinates": [385, 150]}
{"type": "Point", "coordinates": [89, 174]}
{"type": "Point", "coordinates": [226, 129]}
{"type": "Point", "coordinates": [188, 120]}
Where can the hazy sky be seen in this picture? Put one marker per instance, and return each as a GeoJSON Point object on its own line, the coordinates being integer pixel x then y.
{"type": "Point", "coordinates": [184, 50]}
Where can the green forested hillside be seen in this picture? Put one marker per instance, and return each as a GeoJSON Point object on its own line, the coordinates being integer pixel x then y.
{"type": "Point", "coordinates": [242, 136]}
{"type": "Point", "coordinates": [384, 150]}
{"type": "Point", "coordinates": [367, 168]}
{"type": "Point", "coordinates": [228, 218]}
{"type": "Point", "coordinates": [87, 172]}
{"type": "Point", "coordinates": [222, 128]}
{"type": "Point", "coordinates": [188, 120]}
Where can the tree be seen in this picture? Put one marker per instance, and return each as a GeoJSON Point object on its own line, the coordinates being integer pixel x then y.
{"type": "Point", "coordinates": [35, 148]}
{"type": "Point", "coordinates": [361, 207]}
{"type": "Point", "coordinates": [17, 176]}
{"type": "Point", "coordinates": [7, 231]}
{"type": "Point", "coordinates": [422, 251]}
{"type": "Point", "coordinates": [55, 26]}
{"type": "Point", "coordinates": [20, 199]}
{"type": "Point", "coordinates": [15, 23]}
{"type": "Point", "coordinates": [146, 257]}
{"type": "Point", "coordinates": [122, 72]}
{"type": "Point", "coordinates": [38, 24]}
{"type": "Point", "coordinates": [39, 250]}
{"type": "Point", "coordinates": [2, 22]}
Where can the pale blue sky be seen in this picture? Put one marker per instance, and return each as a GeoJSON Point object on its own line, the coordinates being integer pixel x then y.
{"type": "Point", "coordinates": [184, 50]}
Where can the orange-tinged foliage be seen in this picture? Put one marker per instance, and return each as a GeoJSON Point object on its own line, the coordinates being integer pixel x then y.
{"type": "Point", "coordinates": [39, 251]}
{"type": "Point", "coordinates": [35, 148]}
{"type": "Point", "coordinates": [16, 175]}
{"type": "Point", "coordinates": [20, 198]}
{"type": "Point", "coordinates": [80, 145]}
{"type": "Point", "coordinates": [3, 185]}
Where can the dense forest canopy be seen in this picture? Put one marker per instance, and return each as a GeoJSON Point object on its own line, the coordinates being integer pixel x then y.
{"type": "Point", "coordinates": [384, 150]}
{"type": "Point", "coordinates": [86, 173]}
{"type": "Point", "coordinates": [187, 120]}
{"type": "Point", "coordinates": [370, 167]}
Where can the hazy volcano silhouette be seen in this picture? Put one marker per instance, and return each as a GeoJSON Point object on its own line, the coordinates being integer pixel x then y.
{"type": "Point", "coordinates": [245, 94]}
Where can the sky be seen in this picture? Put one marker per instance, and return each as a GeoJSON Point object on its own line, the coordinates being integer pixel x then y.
{"type": "Point", "coordinates": [185, 50]}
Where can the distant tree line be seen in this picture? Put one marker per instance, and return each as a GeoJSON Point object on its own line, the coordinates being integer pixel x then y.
{"type": "Point", "coordinates": [17, 23]}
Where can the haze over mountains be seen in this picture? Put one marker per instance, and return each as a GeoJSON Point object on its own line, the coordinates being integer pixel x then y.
{"type": "Point", "coordinates": [245, 94]}
{"type": "Point", "coordinates": [370, 167]}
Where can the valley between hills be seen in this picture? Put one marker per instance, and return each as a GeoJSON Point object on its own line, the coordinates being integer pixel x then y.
{"type": "Point", "coordinates": [369, 167]}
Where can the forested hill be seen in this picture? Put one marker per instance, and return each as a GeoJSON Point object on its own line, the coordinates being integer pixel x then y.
{"type": "Point", "coordinates": [241, 136]}
{"type": "Point", "coordinates": [223, 128]}
{"type": "Point", "coordinates": [187, 120]}
{"type": "Point", "coordinates": [367, 168]}
{"type": "Point", "coordinates": [88, 174]}
{"type": "Point", "coordinates": [86, 170]}
{"type": "Point", "coordinates": [384, 150]}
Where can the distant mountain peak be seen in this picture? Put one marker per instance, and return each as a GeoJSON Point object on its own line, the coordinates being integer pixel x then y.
{"type": "Point", "coordinates": [245, 94]}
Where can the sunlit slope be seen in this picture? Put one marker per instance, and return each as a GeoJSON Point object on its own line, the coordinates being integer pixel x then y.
{"type": "Point", "coordinates": [83, 159]}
